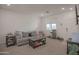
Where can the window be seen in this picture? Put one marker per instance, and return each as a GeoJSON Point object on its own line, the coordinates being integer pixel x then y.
{"type": "Point", "coordinates": [51, 26]}
{"type": "Point", "coordinates": [48, 26]}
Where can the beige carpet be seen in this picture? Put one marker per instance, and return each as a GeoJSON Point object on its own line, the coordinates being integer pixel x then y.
{"type": "Point", "coordinates": [53, 47]}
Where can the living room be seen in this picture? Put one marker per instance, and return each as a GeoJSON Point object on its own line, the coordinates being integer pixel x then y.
{"type": "Point", "coordinates": [55, 23]}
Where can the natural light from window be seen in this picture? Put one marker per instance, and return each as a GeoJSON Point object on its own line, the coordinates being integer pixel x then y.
{"type": "Point", "coordinates": [51, 26]}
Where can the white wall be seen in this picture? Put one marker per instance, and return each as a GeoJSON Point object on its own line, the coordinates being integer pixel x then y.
{"type": "Point", "coordinates": [11, 22]}
{"type": "Point", "coordinates": [65, 20]}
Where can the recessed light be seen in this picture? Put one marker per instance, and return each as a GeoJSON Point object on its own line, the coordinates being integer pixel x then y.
{"type": "Point", "coordinates": [71, 8]}
{"type": "Point", "coordinates": [62, 8]}
{"type": "Point", "coordinates": [8, 4]}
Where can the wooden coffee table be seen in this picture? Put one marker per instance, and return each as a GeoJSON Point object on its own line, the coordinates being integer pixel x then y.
{"type": "Point", "coordinates": [34, 43]}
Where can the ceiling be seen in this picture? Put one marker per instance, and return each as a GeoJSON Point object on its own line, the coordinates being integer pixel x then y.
{"type": "Point", "coordinates": [34, 8]}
